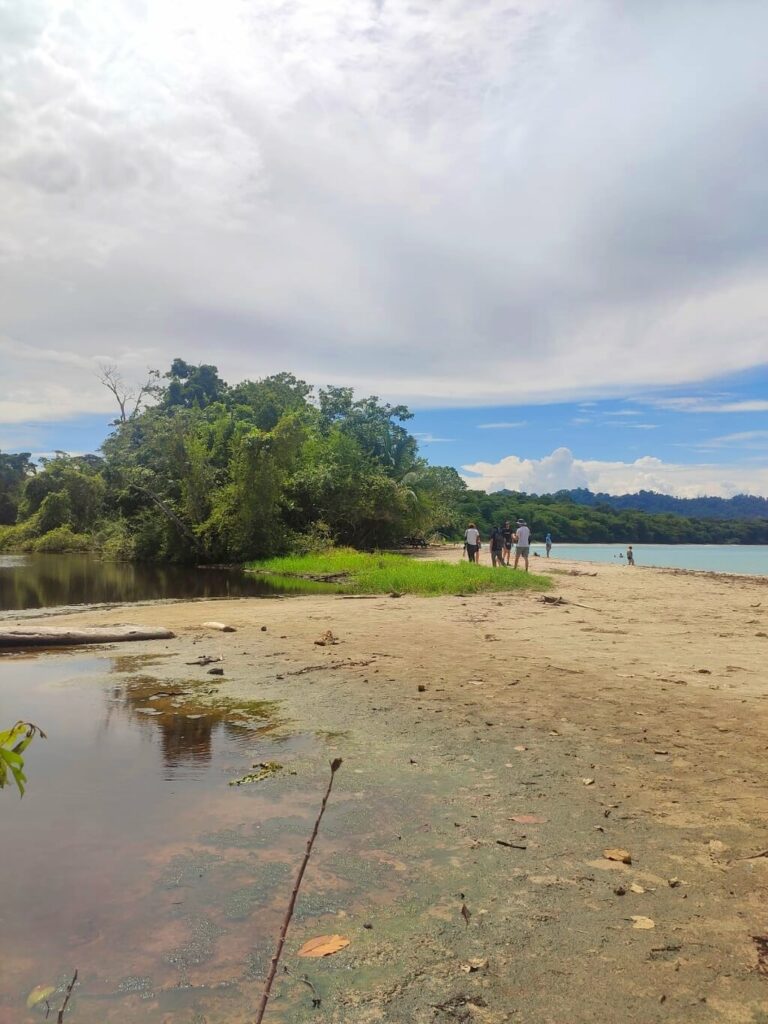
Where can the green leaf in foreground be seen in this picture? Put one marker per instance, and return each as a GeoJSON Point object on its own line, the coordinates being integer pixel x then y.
{"type": "Point", "coordinates": [13, 743]}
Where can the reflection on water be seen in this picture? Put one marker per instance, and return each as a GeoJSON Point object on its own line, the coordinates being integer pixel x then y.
{"type": "Point", "coordinates": [47, 581]}
{"type": "Point", "coordinates": [185, 729]}
{"type": "Point", "coordinates": [111, 862]}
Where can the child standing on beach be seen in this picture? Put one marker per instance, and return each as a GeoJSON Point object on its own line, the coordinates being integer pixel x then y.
{"type": "Point", "coordinates": [630, 555]}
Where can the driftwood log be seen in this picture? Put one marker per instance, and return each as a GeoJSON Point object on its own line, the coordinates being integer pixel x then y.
{"type": "Point", "coordinates": [54, 636]}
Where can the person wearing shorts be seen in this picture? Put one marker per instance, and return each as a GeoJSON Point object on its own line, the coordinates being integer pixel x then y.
{"type": "Point", "coordinates": [472, 542]}
{"type": "Point", "coordinates": [548, 543]}
{"type": "Point", "coordinates": [522, 543]}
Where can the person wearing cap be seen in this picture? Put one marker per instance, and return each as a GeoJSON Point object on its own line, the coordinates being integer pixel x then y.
{"type": "Point", "coordinates": [522, 543]}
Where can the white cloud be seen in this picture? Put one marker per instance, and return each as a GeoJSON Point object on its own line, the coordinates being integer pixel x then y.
{"type": "Point", "coordinates": [454, 203]}
{"type": "Point", "coordinates": [742, 439]}
{"type": "Point", "coordinates": [561, 470]}
{"type": "Point", "coordinates": [427, 438]}
{"type": "Point", "coordinates": [701, 405]}
{"type": "Point", "coordinates": [501, 426]}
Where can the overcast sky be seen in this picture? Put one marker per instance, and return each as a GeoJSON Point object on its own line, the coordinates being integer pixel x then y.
{"type": "Point", "coordinates": [457, 203]}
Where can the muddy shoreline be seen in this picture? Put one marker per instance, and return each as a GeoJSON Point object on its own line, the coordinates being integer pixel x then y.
{"type": "Point", "coordinates": [632, 715]}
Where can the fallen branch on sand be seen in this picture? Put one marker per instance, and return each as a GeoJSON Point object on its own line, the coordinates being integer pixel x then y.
{"type": "Point", "coordinates": [329, 666]}
{"type": "Point", "coordinates": [335, 765]}
{"type": "Point", "coordinates": [54, 636]}
{"type": "Point", "coordinates": [557, 601]}
{"type": "Point", "coordinates": [205, 659]}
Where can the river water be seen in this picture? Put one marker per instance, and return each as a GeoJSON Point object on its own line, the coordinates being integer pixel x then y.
{"type": "Point", "coordinates": [49, 581]}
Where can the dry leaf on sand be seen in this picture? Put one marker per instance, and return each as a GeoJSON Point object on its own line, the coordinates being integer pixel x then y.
{"type": "Point", "coordinates": [323, 945]}
{"type": "Point", "coordinates": [475, 964]}
{"type": "Point", "coordinates": [623, 856]}
{"type": "Point", "coordinates": [528, 819]}
{"type": "Point", "coordinates": [642, 922]}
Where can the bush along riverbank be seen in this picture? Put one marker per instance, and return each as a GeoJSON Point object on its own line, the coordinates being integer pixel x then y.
{"type": "Point", "coordinates": [358, 573]}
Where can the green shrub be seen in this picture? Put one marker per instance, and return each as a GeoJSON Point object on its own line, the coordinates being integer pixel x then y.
{"type": "Point", "coordinates": [55, 511]}
{"type": "Point", "coordinates": [316, 540]}
{"type": "Point", "coordinates": [16, 538]}
{"type": "Point", "coordinates": [116, 542]}
{"type": "Point", "coordinates": [61, 540]}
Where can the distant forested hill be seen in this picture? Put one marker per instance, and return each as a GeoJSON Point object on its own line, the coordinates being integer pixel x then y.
{"type": "Point", "coordinates": [742, 506]}
{"type": "Point", "coordinates": [569, 520]}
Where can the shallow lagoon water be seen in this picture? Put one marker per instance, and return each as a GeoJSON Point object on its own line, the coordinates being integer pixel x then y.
{"type": "Point", "coordinates": [130, 857]}
{"type": "Point", "coordinates": [748, 559]}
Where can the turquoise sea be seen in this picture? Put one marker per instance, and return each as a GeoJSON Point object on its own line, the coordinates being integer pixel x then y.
{"type": "Point", "coordinates": [750, 559]}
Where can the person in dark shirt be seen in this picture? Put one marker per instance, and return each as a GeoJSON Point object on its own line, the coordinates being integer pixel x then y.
{"type": "Point", "coordinates": [507, 531]}
{"type": "Point", "coordinates": [497, 546]}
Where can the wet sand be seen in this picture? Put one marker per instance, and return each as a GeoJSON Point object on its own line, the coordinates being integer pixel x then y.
{"type": "Point", "coordinates": [632, 715]}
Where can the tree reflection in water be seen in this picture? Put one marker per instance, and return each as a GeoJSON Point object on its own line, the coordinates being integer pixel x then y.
{"type": "Point", "coordinates": [185, 726]}
{"type": "Point", "coordinates": [48, 581]}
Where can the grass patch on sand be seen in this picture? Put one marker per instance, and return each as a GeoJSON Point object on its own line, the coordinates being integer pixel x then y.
{"type": "Point", "coordinates": [357, 573]}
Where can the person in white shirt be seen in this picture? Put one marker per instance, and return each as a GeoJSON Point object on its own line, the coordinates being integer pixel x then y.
{"type": "Point", "coordinates": [472, 542]}
{"type": "Point", "coordinates": [522, 543]}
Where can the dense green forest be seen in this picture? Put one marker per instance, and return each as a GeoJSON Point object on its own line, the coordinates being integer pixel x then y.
{"type": "Point", "coordinates": [740, 506]}
{"type": "Point", "coordinates": [210, 472]}
{"type": "Point", "coordinates": [197, 470]}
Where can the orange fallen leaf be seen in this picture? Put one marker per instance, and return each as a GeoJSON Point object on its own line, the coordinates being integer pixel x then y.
{"type": "Point", "coordinates": [323, 945]}
{"type": "Point", "coordinates": [623, 856]}
{"type": "Point", "coordinates": [528, 819]}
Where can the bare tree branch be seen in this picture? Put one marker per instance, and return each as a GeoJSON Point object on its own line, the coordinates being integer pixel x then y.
{"type": "Point", "coordinates": [129, 397]}
{"type": "Point", "coordinates": [113, 381]}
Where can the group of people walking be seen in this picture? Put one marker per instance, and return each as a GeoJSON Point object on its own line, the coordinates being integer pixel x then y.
{"type": "Point", "coordinates": [501, 542]}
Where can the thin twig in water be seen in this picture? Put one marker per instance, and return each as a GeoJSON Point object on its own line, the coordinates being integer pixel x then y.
{"type": "Point", "coordinates": [67, 994]}
{"type": "Point", "coordinates": [335, 765]}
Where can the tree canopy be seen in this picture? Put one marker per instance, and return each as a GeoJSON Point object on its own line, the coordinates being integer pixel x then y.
{"type": "Point", "coordinates": [213, 472]}
{"type": "Point", "coordinates": [199, 470]}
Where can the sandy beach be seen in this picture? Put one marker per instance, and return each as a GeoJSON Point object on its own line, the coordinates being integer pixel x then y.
{"type": "Point", "coordinates": [494, 747]}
